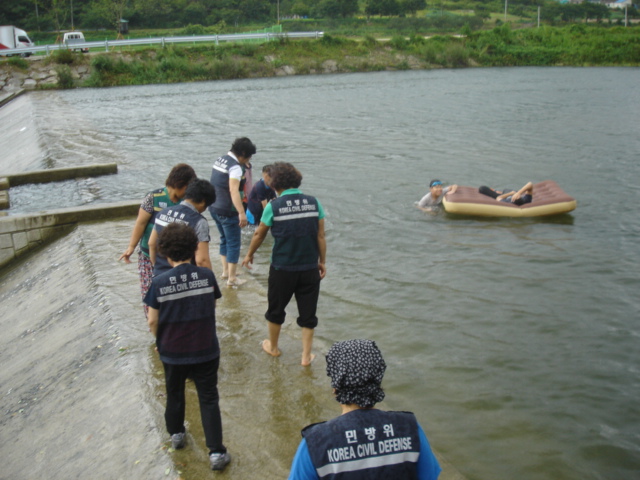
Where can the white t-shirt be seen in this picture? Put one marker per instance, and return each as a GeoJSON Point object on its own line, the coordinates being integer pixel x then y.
{"type": "Point", "coordinates": [235, 171]}
{"type": "Point", "coordinates": [427, 201]}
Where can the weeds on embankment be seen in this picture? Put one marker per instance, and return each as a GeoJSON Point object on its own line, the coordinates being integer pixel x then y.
{"type": "Point", "coordinates": [575, 45]}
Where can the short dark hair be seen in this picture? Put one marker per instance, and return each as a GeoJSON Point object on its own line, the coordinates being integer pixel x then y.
{"type": "Point", "coordinates": [267, 169]}
{"type": "Point", "coordinates": [243, 147]}
{"type": "Point", "coordinates": [180, 176]}
{"type": "Point", "coordinates": [201, 190]}
{"type": "Point", "coordinates": [285, 176]}
{"type": "Point", "coordinates": [178, 241]}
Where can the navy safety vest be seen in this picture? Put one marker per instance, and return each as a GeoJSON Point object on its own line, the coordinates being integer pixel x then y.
{"type": "Point", "coordinates": [180, 214]}
{"type": "Point", "coordinates": [295, 230]}
{"type": "Point", "coordinates": [220, 181]}
{"type": "Point", "coordinates": [161, 200]}
{"type": "Point", "coordinates": [187, 319]}
{"type": "Point", "coordinates": [365, 444]}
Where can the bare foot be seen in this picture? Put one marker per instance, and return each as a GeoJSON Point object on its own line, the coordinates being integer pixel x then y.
{"type": "Point", "coordinates": [236, 282]}
{"type": "Point", "coordinates": [312, 357]}
{"type": "Point", "coordinates": [266, 346]}
{"type": "Point", "coordinates": [226, 275]}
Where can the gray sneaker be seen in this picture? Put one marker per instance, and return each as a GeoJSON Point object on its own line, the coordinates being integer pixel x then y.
{"type": "Point", "coordinates": [178, 440]}
{"type": "Point", "coordinates": [219, 460]}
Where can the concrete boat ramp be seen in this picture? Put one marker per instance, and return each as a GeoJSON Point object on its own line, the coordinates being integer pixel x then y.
{"type": "Point", "coordinates": [82, 389]}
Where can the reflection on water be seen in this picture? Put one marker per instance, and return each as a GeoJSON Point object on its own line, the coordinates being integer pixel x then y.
{"type": "Point", "coordinates": [513, 340]}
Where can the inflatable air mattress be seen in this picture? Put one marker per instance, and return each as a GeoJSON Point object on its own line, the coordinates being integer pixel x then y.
{"type": "Point", "coordinates": [548, 199]}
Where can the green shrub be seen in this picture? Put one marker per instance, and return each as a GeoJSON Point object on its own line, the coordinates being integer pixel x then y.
{"type": "Point", "coordinates": [103, 64]}
{"type": "Point", "coordinates": [370, 41]}
{"type": "Point", "coordinates": [431, 53]}
{"type": "Point", "coordinates": [65, 79]}
{"type": "Point", "coordinates": [64, 57]}
{"type": "Point", "coordinates": [456, 55]}
{"type": "Point", "coordinates": [399, 42]}
{"type": "Point", "coordinates": [17, 62]}
{"type": "Point", "coordinates": [193, 30]}
{"type": "Point", "coordinates": [332, 41]}
{"type": "Point", "coordinates": [417, 40]}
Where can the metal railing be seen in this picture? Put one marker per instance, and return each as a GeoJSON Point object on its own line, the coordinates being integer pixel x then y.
{"type": "Point", "coordinates": [106, 44]}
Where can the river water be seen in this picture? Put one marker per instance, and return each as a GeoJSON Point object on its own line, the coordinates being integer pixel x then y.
{"type": "Point", "coordinates": [515, 341]}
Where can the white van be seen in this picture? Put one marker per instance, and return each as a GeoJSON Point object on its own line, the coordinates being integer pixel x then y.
{"type": "Point", "coordinates": [71, 38]}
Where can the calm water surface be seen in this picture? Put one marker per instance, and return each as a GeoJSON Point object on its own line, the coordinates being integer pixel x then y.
{"type": "Point", "coordinates": [514, 341]}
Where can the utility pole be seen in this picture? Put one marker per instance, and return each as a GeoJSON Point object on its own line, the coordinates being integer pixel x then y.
{"type": "Point", "coordinates": [505, 10]}
{"type": "Point", "coordinates": [37, 16]}
{"type": "Point", "coordinates": [72, 29]}
{"type": "Point", "coordinates": [625, 16]}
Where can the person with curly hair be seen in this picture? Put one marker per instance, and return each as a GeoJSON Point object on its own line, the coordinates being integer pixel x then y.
{"type": "Point", "coordinates": [168, 196]}
{"type": "Point", "coordinates": [363, 442]}
{"type": "Point", "coordinates": [182, 317]}
{"type": "Point", "coordinates": [298, 257]}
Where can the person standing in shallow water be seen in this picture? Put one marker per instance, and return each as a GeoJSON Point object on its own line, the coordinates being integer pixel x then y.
{"type": "Point", "coordinates": [363, 442]}
{"type": "Point", "coordinates": [175, 187]}
{"type": "Point", "coordinates": [182, 317]}
{"type": "Point", "coordinates": [228, 177]}
{"type": "Point", "coordinates": [260, 195]}
{"type": "Point", "coordinates": [297, 259]}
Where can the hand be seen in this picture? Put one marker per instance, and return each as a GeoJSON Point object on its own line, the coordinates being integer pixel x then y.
{"type": "Point", "coordinates": [243, 220]}
{"type": "Point", "coordinates": [322, 269]}
{"type": "Point", "coordinates": [248, 260]}
{"type": "Point", "coordinates": [127, 253]}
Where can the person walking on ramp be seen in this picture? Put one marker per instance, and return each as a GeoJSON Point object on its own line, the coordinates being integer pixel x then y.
{"type": "Point", "coordinates": [298, 257]}
{"type": "Point", "coordinates": [182, 317]}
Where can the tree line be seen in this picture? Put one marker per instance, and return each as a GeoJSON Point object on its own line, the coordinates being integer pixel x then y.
{"type": "Point", "coordinates": [58, 15]}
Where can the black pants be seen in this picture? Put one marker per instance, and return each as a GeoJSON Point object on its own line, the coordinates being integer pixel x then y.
{"type": "Point", "coordinates": [283, 285]}
{"type": "Point", "coordinates": [487, 191]}
{"type": "Point", "coordinates": [205, 377]}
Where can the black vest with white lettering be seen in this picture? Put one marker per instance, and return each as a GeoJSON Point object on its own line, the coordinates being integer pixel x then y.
{"type": "Point", "coordinates": [365, 444]}
{"type": "Point", "coordinates": [176, 214]}
{"type": "Point", "coordinates": [187, 317]}
{"type": "Point", "coordinates": [295, 230]}
{"type": "Point", "coordinates": [220, 181]}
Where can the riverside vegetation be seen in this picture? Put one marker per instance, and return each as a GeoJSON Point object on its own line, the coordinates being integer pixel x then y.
{"type": "Point", "coordinates": [574, 45]}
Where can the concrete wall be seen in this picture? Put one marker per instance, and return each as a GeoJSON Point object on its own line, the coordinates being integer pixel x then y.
{"type": "Point", "coordinates": [58, 174]}
{"type": "Point", "coordinates": [21, 234]}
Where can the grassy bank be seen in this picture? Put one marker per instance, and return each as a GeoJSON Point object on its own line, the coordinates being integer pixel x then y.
{"type": "Point", "coordinates": [576, 45]}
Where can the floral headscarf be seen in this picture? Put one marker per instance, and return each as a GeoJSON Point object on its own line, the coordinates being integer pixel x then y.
{"type": "Point", "coordinates": [356, 368]}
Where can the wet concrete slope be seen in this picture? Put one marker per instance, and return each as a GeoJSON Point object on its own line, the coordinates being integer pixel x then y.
{"type": "Point", "coordinates": [19, 136]}
{"type": "Point", "coordinates": [74, 397]}
{"type": "Point", "coordinates": [83, 390]}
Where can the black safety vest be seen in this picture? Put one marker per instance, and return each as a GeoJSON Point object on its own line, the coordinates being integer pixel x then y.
{"type": "Point", "coordinates": [180, 214]}
{"type": "Point", "coordinates": [187, 317]}
{"type": "Point", "coordinates": [365, 444]}
{"type": "Point", "coordinates": [220, 181]}
{"type": "Point", "coordinates": [295, 230]}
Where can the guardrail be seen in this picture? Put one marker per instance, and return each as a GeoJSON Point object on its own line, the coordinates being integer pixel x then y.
{"type": "Point", "coordinates": [161, 41]}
